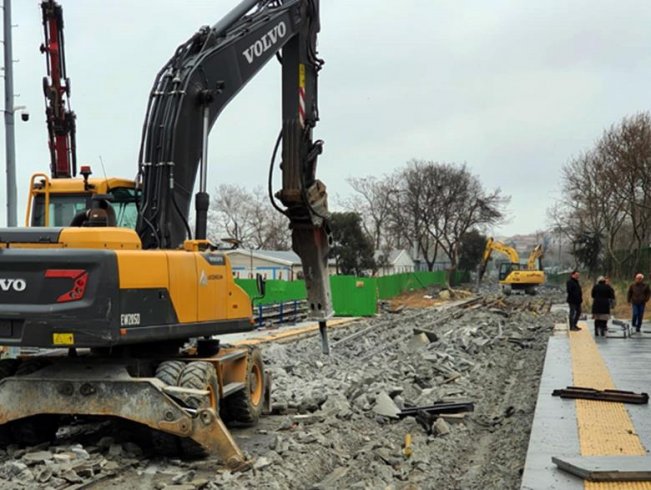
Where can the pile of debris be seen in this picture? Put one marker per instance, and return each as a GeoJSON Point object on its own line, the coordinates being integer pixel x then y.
{"type": "Point", "coordinates": [350, 409]}
{"type": "Point", "coordinates": [371, 415]}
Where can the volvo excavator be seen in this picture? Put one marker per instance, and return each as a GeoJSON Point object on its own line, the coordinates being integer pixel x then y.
{"type": "Point", "coordinates": [128, 317]}
{"type": "Point", "coordinates": [512, 275]}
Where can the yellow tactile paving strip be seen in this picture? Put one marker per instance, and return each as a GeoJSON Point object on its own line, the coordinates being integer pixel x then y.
{"type": "Point", "coordinates": [605, 428]}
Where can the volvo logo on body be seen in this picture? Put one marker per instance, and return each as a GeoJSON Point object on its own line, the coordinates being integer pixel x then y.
{"type": "Point", "coordinates": [265, 42]}
{"type": "Point", "coordinates": [17, 285]}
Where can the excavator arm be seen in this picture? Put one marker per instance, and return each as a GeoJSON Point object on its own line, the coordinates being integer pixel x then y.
{"type": "Point", "coordinates": [536, 254]}
{"type": "Point", "coordinates": [188, 95]}
{"type": "Point", "coordinates": [493, 245]}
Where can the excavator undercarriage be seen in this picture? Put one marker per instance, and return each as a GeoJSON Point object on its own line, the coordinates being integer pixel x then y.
{"type": "Point", "coordinates": [185, 400]}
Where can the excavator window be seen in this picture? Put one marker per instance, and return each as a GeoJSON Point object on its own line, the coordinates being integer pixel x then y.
{"type": "Point", "coordinates": [124, 203]}
{"type": "Point", "coordinates": [506, 268]}
{"type": "Point", "coordinates": [64, 207]}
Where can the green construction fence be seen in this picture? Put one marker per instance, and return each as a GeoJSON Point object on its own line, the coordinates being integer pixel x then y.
{"type": "Point", "coordinates": [354, 296]}
{"type": "Point", "coordinates": [276, 291]}
{"type": "Point", "coordinates": [351, 296]}
{"type": "Point", "coordinates": [396, 284]}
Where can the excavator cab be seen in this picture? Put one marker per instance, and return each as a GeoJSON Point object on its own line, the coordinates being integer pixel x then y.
{"type": "Point", "coordinates": [57, 202]}
{"type": "Point", "coordinates": [506, 268]}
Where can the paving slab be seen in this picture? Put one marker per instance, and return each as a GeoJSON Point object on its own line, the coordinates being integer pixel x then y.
{"type": "Point", "coordinates": [554, 432]}
{"type": "Point", "coordinates": [607, 468]}
{"type": "Point", "coordinates": [629, 363]}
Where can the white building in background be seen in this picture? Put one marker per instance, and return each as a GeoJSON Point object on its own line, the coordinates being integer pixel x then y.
{"type": "Point", "coordinates": [271, 264]}
{"type": "Point", "coordinates": [396, 262]}
{"type": "Point", "coordinates": [286, 265]}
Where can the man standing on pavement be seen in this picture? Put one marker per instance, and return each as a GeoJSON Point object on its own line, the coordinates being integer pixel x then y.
{"type": "Point", "coordinates": [638, 295]}
{"type": "Point", "coordinates": [574, 299]}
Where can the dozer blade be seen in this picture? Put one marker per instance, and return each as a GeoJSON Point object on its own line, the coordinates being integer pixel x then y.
{"type": "Point", "coordinates": [107, 389]}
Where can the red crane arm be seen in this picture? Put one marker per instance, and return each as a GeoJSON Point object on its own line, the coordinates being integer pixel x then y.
{"type": "Point", "coordinates": [56, 88]}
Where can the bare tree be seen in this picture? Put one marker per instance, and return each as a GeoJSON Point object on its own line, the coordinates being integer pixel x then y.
{"type": "Point", "coordinates": [247, 217]}
{"type": "Point", "coordinates": [607, 194]}
{"type": "Point", "coordinates": [371, 202]}
{"type": "Point", "coordinates": [432, 205]}
{"type": "Point", "coordinates": [229, 213]}
{"type": "Point", "coordinates": [626, 151]}
{"type": "Point", "coordinates": [411, 206]}
{"type": "Point", "coordinates": [461, 204]}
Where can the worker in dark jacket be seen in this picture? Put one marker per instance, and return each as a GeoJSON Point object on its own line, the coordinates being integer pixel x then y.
{"type": "Point", "coordinates": [603, 296]}
{"type": "Point", "coordinates": [574, 299]}
{"type": "Point", "coordinates": [638, 295]}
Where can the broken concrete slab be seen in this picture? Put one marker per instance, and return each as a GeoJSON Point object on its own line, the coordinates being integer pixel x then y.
{"type": "Point", "coordinates": [308, 419]}
{"type": "Point", "coordinates": [453, 418]}
{"type": "Point", "coordinates": [37, 457]}
{"type": "Point", "coordinates": [607, 468]}
{"type": "Point", "coordinates": [432, 336]}
{"type": "Point", "coordinates": [441, 427]}
{"type": "Point", "coordinates": [333, 477]}
{"type": "Point", "coordinates": [43, 474]}
{"type": "Point", "coordinates": [385, 406]}
{"type": "Point", "coordinates": [261, 462]}
{"type": "Point", "coordinates": [418, 341]}
{"type": "Point", "coordinates": [184, 477]}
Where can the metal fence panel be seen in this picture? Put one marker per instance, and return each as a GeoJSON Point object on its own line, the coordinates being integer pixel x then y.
{"type": "Point", "coordinates": [351, 296]}
{"type": "Point", "coordinates": [354, 296]}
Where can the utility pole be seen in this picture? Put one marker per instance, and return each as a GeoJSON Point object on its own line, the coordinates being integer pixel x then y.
{"type": "Point", "coordinates": [9, 118]}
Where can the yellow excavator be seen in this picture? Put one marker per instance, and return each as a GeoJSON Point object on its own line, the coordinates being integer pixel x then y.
{"type": "Point", "coordinates": [512, 275]}
{"type": "Point", "coordinates": [121, 297]}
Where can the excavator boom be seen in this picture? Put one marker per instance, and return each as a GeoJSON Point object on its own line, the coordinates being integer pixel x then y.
{"type": "Point", "coordinates": [493, 245]}
{"type": "Point", "coordinates": [188, 95]}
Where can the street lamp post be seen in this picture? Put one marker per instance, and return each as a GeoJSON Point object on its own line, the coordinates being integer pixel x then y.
{"type": "Point", "coordinates": [9, 118]}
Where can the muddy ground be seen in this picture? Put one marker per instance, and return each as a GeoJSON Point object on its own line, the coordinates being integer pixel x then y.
{"type": "Point", "coordinates": [330, 427]}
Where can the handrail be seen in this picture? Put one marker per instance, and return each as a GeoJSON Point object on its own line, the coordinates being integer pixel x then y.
{"type": "Point", "coordinates": [32, 194]}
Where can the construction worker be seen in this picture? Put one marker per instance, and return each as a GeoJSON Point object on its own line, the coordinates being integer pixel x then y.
{"type": "Point", "coordinates": [638, 295]}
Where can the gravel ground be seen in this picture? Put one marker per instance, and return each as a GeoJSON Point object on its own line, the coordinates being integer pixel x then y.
{"type": "Point", "coordinates": [331, 426]}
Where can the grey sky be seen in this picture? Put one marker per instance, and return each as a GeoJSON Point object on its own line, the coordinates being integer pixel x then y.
{"type": "Point", "coordinates": [512, 88]}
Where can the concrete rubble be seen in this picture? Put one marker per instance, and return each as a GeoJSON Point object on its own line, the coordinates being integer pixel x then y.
{"type": "Point", "coordinates": [335, 419]}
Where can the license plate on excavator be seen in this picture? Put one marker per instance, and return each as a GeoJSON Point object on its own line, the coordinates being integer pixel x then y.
{"type": "Point", "coordinates": [63, 339]}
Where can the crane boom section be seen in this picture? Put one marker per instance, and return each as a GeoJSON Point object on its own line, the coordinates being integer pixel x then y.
{"type": "Point", "coordinates": [56, 88]}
